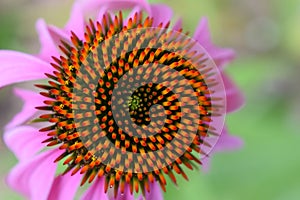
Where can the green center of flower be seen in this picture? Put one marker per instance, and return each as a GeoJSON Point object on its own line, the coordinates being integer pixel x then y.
{"type": "Point", "coordinates": [134, 103]}
{"type": "Point", "coordinates": [118, 108]}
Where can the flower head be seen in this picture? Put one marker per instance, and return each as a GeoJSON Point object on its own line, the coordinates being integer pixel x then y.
{"type": "Point", "coordinates": [126, 103]}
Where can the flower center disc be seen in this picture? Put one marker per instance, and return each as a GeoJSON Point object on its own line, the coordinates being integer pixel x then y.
{"type": "Point", "coordinates": [132, 103]}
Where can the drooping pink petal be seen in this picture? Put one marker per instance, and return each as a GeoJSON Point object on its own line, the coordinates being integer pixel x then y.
{"type": "Point", "coordinates": [65, 187]}
{"type": "Point", "coordinates": [24, 141]}
{"type": "Point", "coordinates": [34, 177]}
{"type": "Point", "coordinates": [234, 98]}
{"type": "Point", "coordinates": [31, 99]}
{"type": "Point", "coordinates": [16, 67]}
{"type": "Point", "coordinates": [59, 35]}
{"type": "Point", "coordinates": [50, 39]}
{"type": "Point", "coordinates": [95, 191]}
{"type": "Point", "coordinates": [226, 142]}
{"type": "Point", "coordinates": [161, 14]}
{"type": "Point", "coordinates": [205, 164]}
{"type": "Point", "coordinates": [178, 25]}
{"type": "Point", "coordinates": [48, 46]}
{"type": "Point", "coordinates": [221, 56]}
{"type": "Point", "coordinates": [76, 21]}
{"type": "Point", "coordinates": [155, 192]}
{"type": "Point", "coordinates": [202, 34]}
{"type": "Point", "coordinates": [114, 5]}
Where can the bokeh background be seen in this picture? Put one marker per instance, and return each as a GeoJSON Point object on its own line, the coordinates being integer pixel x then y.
{"type": "Point", "coordinates": [266, 37]}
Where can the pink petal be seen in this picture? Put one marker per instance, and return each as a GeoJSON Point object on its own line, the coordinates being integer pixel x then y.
{"type": "Point", "coordinates": [76, 21]}
{"type": "Point", "coordinates": [178, 25]}
{"type": "Point", "coordinates": [50, 39]}
{"type": "Point", "coordinates": [155, 192]}
{"type": "Point", "coordinates": [227, 142]}
{"type": "Point", "coordinates": [125, 196]}
{"type": "Point", "coordinates": [206, 164]}
{"type": "Point", "coordinates": [234, 98]}
{"type": "Point", "coordinates": [101, 13]}
{"type": "Point", "coordinates": [48, 47]}
{"type": "Point", "coordinates": [24, 141]}
{"type": "Point", "coordinates": [34, 177]}
{"type": "Point", "coordinates": [65, 187]}
{"type": "Point", "coordinates": [58, 35]}
{"type": "Point", "coordinates": [136, 9]}
{"type": "Point", "coordinates": [221, 56]}
{"type": "Point", "coordinates": [31, 99]}
{"type": "Point", "coordinates": [95, 191]}
{"type": "Point", "coordinates": [161, 14]}
{"type": "Point", "coordinates": [202, 34]}
{"type": "Point", "coordinates": [114, 5]}
{"type": "Point", "coordinates": [16, 67]}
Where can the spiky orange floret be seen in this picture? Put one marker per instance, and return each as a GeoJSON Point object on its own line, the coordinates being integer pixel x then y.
{"type": "Point", "coordinates": [96, 60]}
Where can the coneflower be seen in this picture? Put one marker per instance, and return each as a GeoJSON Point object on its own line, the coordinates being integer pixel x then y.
{"type": "Point", "coordinates": [126, 103]}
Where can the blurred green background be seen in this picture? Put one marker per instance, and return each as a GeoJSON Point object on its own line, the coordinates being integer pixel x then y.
{"type": "Point", "coordinates": [266, 37]}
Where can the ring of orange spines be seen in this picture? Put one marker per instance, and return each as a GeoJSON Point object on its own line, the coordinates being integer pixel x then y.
{"type": "Point", "coordinates": [83, 151]}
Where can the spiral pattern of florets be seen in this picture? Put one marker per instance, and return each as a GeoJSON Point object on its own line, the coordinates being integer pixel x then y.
{"type": "Point", "coordinates": [88, 104]}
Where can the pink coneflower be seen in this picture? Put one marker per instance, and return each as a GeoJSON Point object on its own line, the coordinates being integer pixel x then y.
{"type": "Point", "coordinates": [108, 80]}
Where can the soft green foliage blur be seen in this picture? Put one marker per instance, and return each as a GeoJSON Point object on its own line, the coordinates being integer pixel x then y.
{"type": "Point", "coordinates": [266, 37]}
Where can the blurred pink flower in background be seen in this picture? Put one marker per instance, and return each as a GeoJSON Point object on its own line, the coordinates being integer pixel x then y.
{"type": "Point", "coordinates": [35, 176]}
